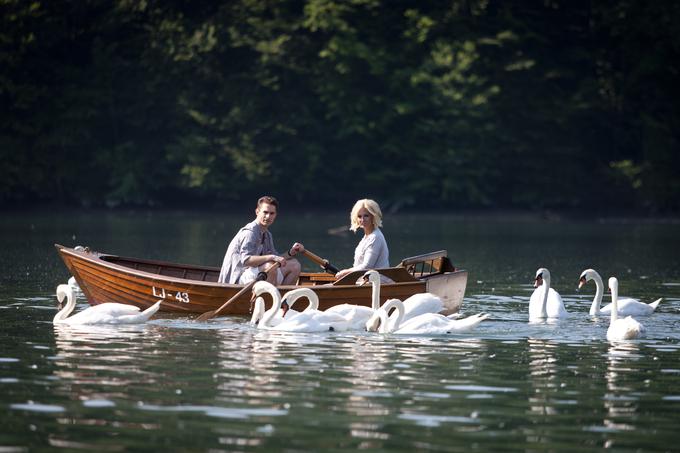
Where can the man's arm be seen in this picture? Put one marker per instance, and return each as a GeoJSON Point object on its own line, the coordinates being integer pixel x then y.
{"type": "Point", "coordinates": [258, 260]}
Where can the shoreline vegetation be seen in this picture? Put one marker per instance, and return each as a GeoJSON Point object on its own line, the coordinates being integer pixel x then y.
{"type": "Point", "coordinates": [552, 107]}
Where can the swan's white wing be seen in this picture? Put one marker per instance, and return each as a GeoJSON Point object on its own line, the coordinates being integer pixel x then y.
{"type": "Point", "coordinates": [113, 309]}
{"type": "Point", "coordinates": [422, 303]}
{"type": "Point", "coordinates": [427, 323]}
{"type": "Point", "coordinates": [624, 329]}
{"type": "Point", "coordinates": [314, 321]}
{"type": "Point", "coordinates": [632, 307]}
{"type": "Point", "coordinates": [351, 311]}
{"type": "Point", "coordinates": [90, 317]}
{"type": "Point", "coordinates": [535, 303]}
{"type": "Point", "coordinates": [356, 315]}
{"type": "Point", "coordinates": [554, 305]}
{"type": "Point", "coordinates": [466, 324]}
{"type": "Point", "coordinates": [113, 313]}
{"type": "Point", "coordinates": [139, 317]}
{"type": "Point", "coordinates": [436, 324]}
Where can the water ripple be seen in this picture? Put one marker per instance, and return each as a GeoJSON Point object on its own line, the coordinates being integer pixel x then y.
{"type": "Point", "coordinates": [216, 411]}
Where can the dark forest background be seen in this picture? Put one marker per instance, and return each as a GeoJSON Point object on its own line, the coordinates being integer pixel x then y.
{"type": "Point", "coordinates": [474, 104]}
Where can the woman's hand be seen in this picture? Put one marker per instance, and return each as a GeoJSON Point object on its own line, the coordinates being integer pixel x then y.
{"type": "Point", "coordinates": [342, 273]}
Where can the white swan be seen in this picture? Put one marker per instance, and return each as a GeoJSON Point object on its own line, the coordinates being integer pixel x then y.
{"type": "Point", "coordinates": [545, 302]}
{"type": "Point", "coordinates": [415, 305]}
{"type": "Point", "coordinates": [426, 323]}
{"type": "Point", "coordinates": [274, 316]}
{"type": "Point", "coordinates": [309, 320]}
{"type": "Point", "coordinates": [358, 315]}
{"type": "Point", "coordinates": [107, 313]}
{"type": "Point", "coordinates": [621, 328]}
{"type": "Point", "coordinates": [626, 305]}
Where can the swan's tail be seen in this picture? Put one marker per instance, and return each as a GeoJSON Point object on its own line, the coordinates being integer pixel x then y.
{"type": "Point", "coordinates": [655, 303]}
{"type": "Point", "coordinates": [469, 323]}
{"type": "Point", "coordinates": [149, 312]}
{"type": "Point", "coordinates": [140, 317]}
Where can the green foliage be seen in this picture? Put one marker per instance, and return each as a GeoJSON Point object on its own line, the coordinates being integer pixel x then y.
{"type": "Point", "coordinates": [468, 103]}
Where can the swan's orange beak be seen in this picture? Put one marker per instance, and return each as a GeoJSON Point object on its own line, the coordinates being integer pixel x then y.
{"type": "Point", "coordinates": [538, 281]}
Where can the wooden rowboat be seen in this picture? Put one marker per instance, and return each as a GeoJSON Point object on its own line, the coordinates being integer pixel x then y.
{"type": "Point", "coordinates": [194, 289]}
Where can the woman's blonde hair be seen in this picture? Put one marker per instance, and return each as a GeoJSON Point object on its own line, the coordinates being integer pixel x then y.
{"type": "Point", "coordinates": [372, 207]}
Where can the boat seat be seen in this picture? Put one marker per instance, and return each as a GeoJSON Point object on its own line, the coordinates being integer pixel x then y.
{"type": "Point", "coordinates": [428, 264]}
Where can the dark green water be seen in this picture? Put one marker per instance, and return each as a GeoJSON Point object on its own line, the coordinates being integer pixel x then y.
{"type": "Point", "coordinates": [223, 386]}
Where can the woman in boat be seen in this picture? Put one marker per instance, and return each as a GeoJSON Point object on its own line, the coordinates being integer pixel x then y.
{"type": "Point", "coordinates": [372, 251]}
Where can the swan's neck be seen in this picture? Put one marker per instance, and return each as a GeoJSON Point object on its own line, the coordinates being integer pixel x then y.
{"type": "Point", "coordinates": [276, 306]}
{"type": "Point", "coordinates": [544, 304]}
{"type": "Point", "coordinates": [312, 298]}
{"type": "Point", "coordinates": [615, 305]}
{"type": "Point", "coordinates": [375, 294]}
{"type": "Point", "coordinates": [599, 293]}
{"type": "Point", "coordinates": [66, 311]}
{"type": "Point", "coordinates": [258, 311]}
{"type": "Point", "coordinates": [389, 324]}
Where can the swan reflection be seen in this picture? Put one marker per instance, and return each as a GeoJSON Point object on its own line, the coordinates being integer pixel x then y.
{"type": "Point", "coordinates": [543, 374]}
{"type": "Point", "coordinates": [93, 358]}
{"type": "Point", "coordinates": [619, 400]}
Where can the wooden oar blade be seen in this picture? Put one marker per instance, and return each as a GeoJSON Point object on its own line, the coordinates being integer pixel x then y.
{"type": "Point", "coordinates": [206, 316]}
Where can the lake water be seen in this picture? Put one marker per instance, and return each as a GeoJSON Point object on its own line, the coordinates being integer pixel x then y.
{"type": "Point", "coordinates": [223, 386]}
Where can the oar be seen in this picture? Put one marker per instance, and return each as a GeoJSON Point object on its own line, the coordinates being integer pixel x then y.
{"type": "Point", "coordinates": [260, 277]}
{"type": "Point", "coordinates": [325, 265]}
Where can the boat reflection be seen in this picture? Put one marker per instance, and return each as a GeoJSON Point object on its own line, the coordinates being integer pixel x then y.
{"type": "Point", "coordinates": [97, 366]}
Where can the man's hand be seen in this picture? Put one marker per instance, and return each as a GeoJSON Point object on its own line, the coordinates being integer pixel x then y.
{"type": "Point", "coordinates": [279, 259]}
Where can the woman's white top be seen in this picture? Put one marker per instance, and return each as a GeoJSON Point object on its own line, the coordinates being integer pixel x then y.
{"type": "Point", "coordinates": [371, 252]}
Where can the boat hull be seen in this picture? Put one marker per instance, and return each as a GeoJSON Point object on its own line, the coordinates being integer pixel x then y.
{"type": "Point", "coordinates": [188, 289]}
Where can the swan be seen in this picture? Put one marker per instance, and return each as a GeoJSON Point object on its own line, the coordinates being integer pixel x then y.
{"type": "Point", "coordinates": [309, 320]}
{"type": "Point", "coordinates": [275, 315]}
{"type": "Point", "coordinates": [426, 323]}
{"type": "Point", "coordinates": [414, 305]}
{"type": "Point", "coordinates": [358, 315]}
{"type": "Point", "coordinates": [545, 302]}
{"type": "Point", "coordinates": [626, 305]}
{"type": "Point", "coordinates": [621, 328]}
{"type": "Point", "coordinates": [107, 313]}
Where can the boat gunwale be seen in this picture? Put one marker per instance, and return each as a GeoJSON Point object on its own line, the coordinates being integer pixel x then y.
{"type": "Point", "coordinates": [97, 258]}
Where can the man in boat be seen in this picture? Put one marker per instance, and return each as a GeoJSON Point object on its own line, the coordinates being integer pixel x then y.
{"type": "Point", "coordinates": [253, 248]}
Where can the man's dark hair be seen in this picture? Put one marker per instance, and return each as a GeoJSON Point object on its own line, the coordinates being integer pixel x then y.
{"type": "Point", "coordinates": [269, 200]}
